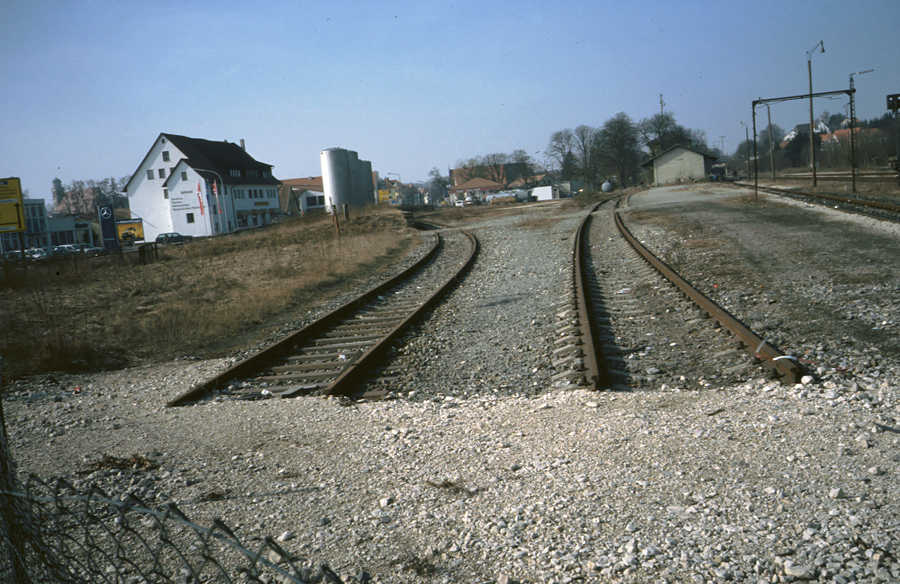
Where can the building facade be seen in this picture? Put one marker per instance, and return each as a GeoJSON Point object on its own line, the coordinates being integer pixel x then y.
{"type": "Point", "coordinates": [201, 188]}
{"type": "Point", "coordinates": [679, 164]}
{"type": "Point", "coordinates": [36, 234]}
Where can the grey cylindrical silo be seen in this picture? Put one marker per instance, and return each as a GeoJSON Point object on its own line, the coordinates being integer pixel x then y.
{"type": "Point", "coordinates": [336, 181]}
{"type": "Point", "coordinates": [353, 163]}
{"type": "Point", "coordinates": [368, 183]}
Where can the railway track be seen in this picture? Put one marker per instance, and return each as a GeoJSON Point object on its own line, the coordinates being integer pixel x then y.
{"type": "Point", "coordinates": [877, 208]}
{"type": "Point", "coordinates": [604, 294]}
{"type": "Point", "coordinates": [340, 351]}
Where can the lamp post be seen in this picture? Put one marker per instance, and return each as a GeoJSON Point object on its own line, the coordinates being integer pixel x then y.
{"type": "Point", "coordinates": [812, 142]}
{"type": "Point", "coordinates": [853, 130]}
{"type": "Point", "coordinates": [747, 145]}
{"type": "Point", "coordinates": [722, 142]}
{"type": "Point", "coordinates": [771, 141]}
{"type": "Point", "coordinates": [219, 211]}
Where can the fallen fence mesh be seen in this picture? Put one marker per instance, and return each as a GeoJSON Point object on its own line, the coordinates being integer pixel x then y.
{"type": "Point", "coordinates": [54, 533]}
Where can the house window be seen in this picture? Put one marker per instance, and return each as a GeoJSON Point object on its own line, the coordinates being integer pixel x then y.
{"type": "Point", "coordinates": [183, 175]}
{"type": "Point", "coordinates": [235, 173]}
{"type": "Point", "coordinates": [252, 173]}
{"type": "Point", "coordinates": [150, 174]}
{"type": "Point", "coordinates": [190, 217]}
{"type": "Point", "coordinates": [162, 173]}
{"type": "Point", "coordinates": [165, 193]}
{"type": "Point", "coordinates": [165, 155]}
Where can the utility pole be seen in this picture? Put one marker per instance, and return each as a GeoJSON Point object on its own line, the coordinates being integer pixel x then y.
{"type": "Point", "coordinates": [853, 130]}
{"type": "Point", "coordinates": [812, 131]}
{"type": "Point", "coordinates": [771, 142]}
{"type": "Point", "coordinates": [747, 145]}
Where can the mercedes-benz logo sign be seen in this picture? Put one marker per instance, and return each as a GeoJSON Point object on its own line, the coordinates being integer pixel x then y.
{"type": "Point", "coordinates": [105, 213]}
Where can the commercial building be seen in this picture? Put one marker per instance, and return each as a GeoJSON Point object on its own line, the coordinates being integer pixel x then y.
{"type": "Point", "coordinates": [36, 232]}
{"type": "Point", "coordinates": [200, 187]}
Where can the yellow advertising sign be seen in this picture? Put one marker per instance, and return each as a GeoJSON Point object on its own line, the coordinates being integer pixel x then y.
{"type": "Point", "coordinates": [12, 209]}
{"type": "Point", "coordinates": [131, 230]}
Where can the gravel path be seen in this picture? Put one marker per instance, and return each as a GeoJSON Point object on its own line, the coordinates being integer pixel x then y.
{"type": "Point", "coordinates": [488, 467]}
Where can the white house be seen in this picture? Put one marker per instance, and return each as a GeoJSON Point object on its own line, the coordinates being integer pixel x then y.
{"type": "Point", "coordinates": [200, 187]}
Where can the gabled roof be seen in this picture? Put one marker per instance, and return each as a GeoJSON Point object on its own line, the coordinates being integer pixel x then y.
{"type": "Point", "coordinates": [478, 184]}
{"type": "Point", "coordinates": [312, 183]}
{"type": "Point", "coordinates": [220, 157]}
{"type": "Point", "coordinates": [703, 154]}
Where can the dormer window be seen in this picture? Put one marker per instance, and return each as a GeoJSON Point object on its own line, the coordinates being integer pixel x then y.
{"type": "Point", "coordinates": [235, 173]}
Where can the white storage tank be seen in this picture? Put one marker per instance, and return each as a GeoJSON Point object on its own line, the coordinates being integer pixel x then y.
{"type": "Point", "coordinates": [337, 178]}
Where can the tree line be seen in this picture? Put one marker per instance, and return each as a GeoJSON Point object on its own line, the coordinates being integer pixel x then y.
{"type": "Point", "coordinates": [86, 196]}
{"type": "Point", "coordinates": [876, 141]}
{"type": "Point", "coordinates": [615, 150]}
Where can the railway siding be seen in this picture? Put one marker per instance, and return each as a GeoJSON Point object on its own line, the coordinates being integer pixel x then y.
{"type": "Point", "coordinates": [485, 468]}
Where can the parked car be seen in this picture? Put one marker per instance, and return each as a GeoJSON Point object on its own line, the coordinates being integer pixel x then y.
{"type": "Point", "coordinates": [36, 253]}
{"type": "Point", "coordinates": [89, 249]}
{"type": "Point", "coordinates": [173, 238]}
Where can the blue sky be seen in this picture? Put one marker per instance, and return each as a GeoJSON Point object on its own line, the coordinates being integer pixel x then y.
{"type": "Point", "coordinates": [88, 85]}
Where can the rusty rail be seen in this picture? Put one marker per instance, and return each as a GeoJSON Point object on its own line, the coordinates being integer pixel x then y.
{"type": "Point", "coordinates": [781, 365]}
{"type": "Point", "coordinates": [593, 371]}
{"type": "Point", "coordinates": [275, 351]}
{"type": "Point", "coordinates": [884, 206]}
{"type": "Point", "coordinates": [355, 367]}
{"type": "Point", "coordinates": [345, 383]}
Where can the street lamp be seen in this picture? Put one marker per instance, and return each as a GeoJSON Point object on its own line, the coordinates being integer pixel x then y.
{"type": "Point", "coordinates": [747, 143]}
{"type": "Point", "coordinates": [218, 204]}
{"type": "Point", "coordinates": [852, 129]}
{"type": "Point", "coordinates": [812, 142]}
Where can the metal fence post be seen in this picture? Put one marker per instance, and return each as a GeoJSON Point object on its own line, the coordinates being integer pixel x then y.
{"type": "Point", "coordinates": [11, 531]}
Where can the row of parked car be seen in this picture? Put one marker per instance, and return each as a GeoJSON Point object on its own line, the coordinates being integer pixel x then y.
{"type": "Point", "coordinates": [42, 253]}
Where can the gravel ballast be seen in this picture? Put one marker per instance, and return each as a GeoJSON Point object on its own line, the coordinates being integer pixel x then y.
{"type": "Point", "coordinates": [487, 467]}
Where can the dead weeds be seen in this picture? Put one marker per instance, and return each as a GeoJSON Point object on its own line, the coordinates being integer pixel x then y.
{"type": "Point", "coordinates": [204, 298]}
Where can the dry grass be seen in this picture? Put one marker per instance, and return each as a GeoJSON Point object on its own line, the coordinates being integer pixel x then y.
{"type": "Point", "coordinates": [205, 298]}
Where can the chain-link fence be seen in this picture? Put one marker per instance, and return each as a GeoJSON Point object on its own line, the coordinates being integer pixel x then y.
{"type": "Point", "coordinates": [50, 532]}
{"type": "Point", "coordinates": [53, 533]}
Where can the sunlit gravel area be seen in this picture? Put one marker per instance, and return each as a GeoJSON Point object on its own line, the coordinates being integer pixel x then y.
{"type": "Point", "coordinates": [485, 466]}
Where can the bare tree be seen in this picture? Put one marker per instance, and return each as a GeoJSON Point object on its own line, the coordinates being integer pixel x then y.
{"type": "Point", "coordinates": [75, 197]}
{"type": "Point", "coordinates": [523, 160]}
{"type": "Point", "coordinates": [561, 147]}
{"type": "Point", "coordinates": [584, 143]}
{"type": "Point", "coordinates": [436, 185]}
{"type": "Point", "coordinates": [618, 147]}
{"type": "Point", "coordinates": [653, 131]}
{"type": "Point", "coordinates": [493, 166]}
{"type": "Point", "coordinates": [467, 170]}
